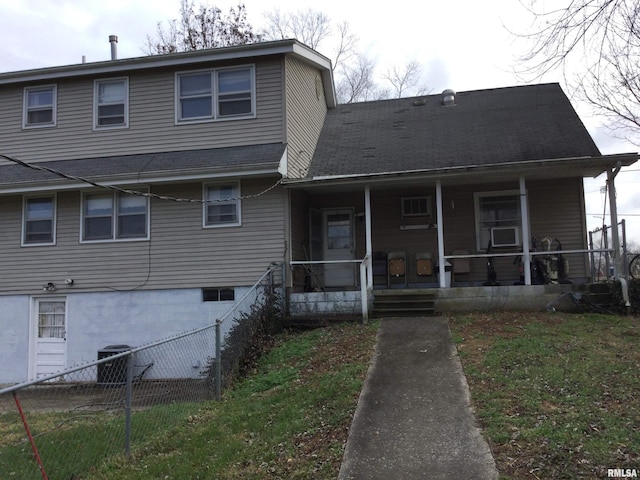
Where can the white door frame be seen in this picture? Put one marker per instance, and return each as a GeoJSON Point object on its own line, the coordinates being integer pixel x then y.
{"type": "Point", "coordinates": [333, 273]}
{"type": "Point", "coordinates": [34, 343]}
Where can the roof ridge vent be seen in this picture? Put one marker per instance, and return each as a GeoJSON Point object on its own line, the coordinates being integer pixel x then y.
{"type": "Point", "coordinates": [448, 97]}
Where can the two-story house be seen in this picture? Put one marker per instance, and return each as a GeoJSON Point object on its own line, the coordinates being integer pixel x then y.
{"type": "Point", "coordinates": [207, 137]}
{"type": "Point", "coordinates": [142, 197]}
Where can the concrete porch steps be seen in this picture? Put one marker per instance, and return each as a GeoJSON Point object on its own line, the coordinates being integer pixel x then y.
{"type": "Point", "coordinates": [403, 303]}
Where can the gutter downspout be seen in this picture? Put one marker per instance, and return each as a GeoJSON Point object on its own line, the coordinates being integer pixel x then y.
{"type": "Point", "coordinates": [618, 270]}
{"type": "Point", "coordinates": [524, 209]}
{"type": "Point", "coordinates": [441, 260]}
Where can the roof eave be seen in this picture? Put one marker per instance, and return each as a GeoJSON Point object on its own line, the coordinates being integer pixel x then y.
{"type": "Point", "coordinates": [254, 50]}
{"type": "Point", "coordinates": [146, 178]}
{"type": "Point", "coordinates": [588, 166]}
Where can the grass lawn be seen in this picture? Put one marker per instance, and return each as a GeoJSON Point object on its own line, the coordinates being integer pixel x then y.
{"type": "Point", "coordinates": [557, 395]}
{"type": "Point", "coordinates": [288, 419]}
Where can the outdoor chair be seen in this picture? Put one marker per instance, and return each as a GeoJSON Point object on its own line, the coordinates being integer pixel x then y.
{"type": "Point", "coordinates": [424, 266]}
{"type": "Point", "coordinates": [397, 268]}
{"type": "Point", "coordinates": [461, 267]}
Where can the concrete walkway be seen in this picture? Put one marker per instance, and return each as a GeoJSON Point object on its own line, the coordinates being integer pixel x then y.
{"type": "Point", "coordinates": [413, 419]}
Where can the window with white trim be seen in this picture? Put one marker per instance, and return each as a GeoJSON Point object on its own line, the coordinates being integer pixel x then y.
{"type": "Point", "coordinates": [215, 94]}
{"type": "Point", "coordinates": [496, 210]}
{"type": "Point", "coordinates": [111, 103]}
{"type": "Point", "coordinates": [39, 108]}
{"type": "Point", "coordinates": [115, 216]}
{"type": "Point", "coordinates": [416, 206]}
{"type": "Point", "coordinates": [39, 220]}
{"type": "Point", "coordinates": [222, 206]}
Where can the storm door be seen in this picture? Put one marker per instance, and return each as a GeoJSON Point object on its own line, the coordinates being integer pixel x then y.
{"type": "Point", "coordinates": [338, 244]}
{"type": "Point", "coordinates": [48, 337]}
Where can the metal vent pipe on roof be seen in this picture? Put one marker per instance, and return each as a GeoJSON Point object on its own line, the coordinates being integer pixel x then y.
{"type": "Point", "coordinates": [113, 40]}
{"type": "Point", "coordinates": [449, 97]}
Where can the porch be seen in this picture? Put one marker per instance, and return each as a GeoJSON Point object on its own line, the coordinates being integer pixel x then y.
{"type": "Point", "coordinates": [520, 243]}
{"type": "Point", "coordinates": [481, 234]}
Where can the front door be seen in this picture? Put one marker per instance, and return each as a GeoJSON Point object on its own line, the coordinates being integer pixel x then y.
{"type": "Point", "coordinates": [48, 337]}
{"type": "Point", "coordinates": [338, 245]}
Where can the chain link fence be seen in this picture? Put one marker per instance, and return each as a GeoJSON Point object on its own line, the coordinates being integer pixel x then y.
{"type": "Point", "coordinates": [602, 257]}
{"type": "Point", "coordinates": [63, 425]}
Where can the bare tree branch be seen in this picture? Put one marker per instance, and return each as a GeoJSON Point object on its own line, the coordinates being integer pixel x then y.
{"type": "Point", "coordinates": [596, 44]}
{"type": "Point", "coordinates": [205, 27]}
{"type": "Point", "coordinates": [403, 78]}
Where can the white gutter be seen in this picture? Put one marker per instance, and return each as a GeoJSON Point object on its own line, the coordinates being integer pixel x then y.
{"type": "Point", "coordinates": [517, 167]}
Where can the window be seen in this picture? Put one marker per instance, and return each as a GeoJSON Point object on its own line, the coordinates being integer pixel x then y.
{"type": "Point", "coordinates": [416, 206]}
{"type": "Point", "coordinates": [39, 220]}
{"type": "Point", "coordinates": [39, 106]}
{"type": "Point", "coordinates": [215, 94]}
{"type": "Point", "coordinates": [223, 205]}
{"type": "Point", "coordinates": [234, 92]}
{"type": "Point", "coordinates": [496, 212]}
{"type": "Point", "coordinates": [225, 294]}
{"type": "Point", "coordinates": [115, 216]}
{"type": "Point", "coordinates": [111, 103]}
{"type": "Point", "coordinates": [52, 318]}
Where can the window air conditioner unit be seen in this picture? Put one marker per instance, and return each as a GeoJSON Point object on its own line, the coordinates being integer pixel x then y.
{"type": "Point", "coordinates": [505, 237]}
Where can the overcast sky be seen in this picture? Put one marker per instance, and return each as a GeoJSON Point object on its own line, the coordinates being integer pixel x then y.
{"type": "Point", "coordinates": [461, 44]}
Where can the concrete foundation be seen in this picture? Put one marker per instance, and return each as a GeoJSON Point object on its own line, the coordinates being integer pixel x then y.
{"type": "Point", "coordinates": [325, 303]}
{"type": "Point", "coordinates": [508, 297]}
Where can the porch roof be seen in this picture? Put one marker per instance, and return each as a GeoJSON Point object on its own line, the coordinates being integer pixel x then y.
{"type": "Point", "coordinates": [144, 168]}
{"type": "Point", "coordinates": [517, 129]}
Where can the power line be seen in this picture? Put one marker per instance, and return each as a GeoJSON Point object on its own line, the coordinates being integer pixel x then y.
{"type": "Point", "coordinates": [134, 192]}
{"type": "Point", "coordinates": [619, 214]}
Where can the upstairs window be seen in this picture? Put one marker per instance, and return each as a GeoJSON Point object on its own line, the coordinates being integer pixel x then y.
{"type": "Point", "coordinates": [234, 92]}
{"type": "Point", "coordinates": [115, 216]}
{"type": "Point", "coordinates": [223, 205]}
{"type": "Point", "coordinates": [39, 220]}
{"type": "Point", "coordinates": [215, 94]}
{"type": "Point", "coordinates": [39, 106]}
{"type": "Point", "coordinates": [111, 103]}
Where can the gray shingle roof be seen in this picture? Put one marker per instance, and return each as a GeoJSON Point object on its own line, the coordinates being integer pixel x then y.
{"type": "Point", "coordinates": [484, 127]}
{"type": "Point", "coordinates": [150, 165]}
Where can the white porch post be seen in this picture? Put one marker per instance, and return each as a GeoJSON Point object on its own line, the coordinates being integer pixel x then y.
{"type": "Point", "coordinates": [367, 217]}
{"type": "Point", "coordinates": [524, 210]}
{"type": "Point", "coordinates": [613, 209]}
{"type": "Point", "coordinates": [441, 260]}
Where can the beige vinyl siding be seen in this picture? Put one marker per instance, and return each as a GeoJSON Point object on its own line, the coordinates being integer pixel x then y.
{"type": "Point", "coordinates": [181, 253]}
{"type": "Point", "coordinates": [306, 110]}
{"type": "Point", "coordinates": [152, 125]}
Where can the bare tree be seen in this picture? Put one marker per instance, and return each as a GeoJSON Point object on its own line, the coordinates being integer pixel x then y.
{"type": "Point", "coordinates": [404, 79]}
{"type": "Point", "coordinates": [204, 27]}
{"type": "Point", "coordinates": [596, 43]}
{"type": "Point", "coordinates": [315, 29]}
{"type": "Point", "coordinates": [357, 82]}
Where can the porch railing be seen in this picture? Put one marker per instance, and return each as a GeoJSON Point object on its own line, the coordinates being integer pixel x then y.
{"type": "Point", "coordinates": [589, 251]}
{"type": "Point", "coordinates": [366, 277]}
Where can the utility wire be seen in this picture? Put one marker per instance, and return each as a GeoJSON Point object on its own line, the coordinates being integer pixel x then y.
{"type": "Point", "coordinates": [134, 192]}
